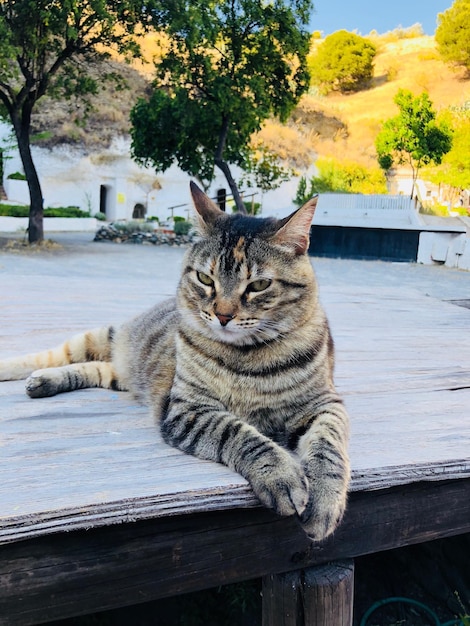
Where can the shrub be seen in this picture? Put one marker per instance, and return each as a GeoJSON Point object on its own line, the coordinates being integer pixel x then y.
{"type": "Point", "coordinates": [133, 226]}
{"type": "Point", "coordinates": [15, 210]}
{"type": "Point", "coordinates": [101, 217]}
{"type": "Point", "coordinates": [16, 176]}
{"type": "Point", "coordinates": [343, 62]}
{"type": "Point", "coordinates": [182, 227]}
{"type": "Point", "coordinates": [453, 33]}
{"type": "Point", "coordinates": [68, 211]}
{"type": "Point", "coordinates": [341, 177]}
{"type": "Point", "coordinates": [252, 208]}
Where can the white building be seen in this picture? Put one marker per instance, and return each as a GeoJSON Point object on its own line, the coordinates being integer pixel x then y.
{"type": "Point", "coordinates": [110, 182]}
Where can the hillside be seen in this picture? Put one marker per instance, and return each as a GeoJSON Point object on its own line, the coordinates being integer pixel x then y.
{"type": "Point", "coordinates": [342, 126]}
{"type": "Point", "coordinates": [345, 126]}
{"type": "Point", "coordinates": [59, 122]}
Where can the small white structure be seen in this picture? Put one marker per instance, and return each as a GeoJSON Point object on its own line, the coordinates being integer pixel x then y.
{"type": "Point", "coordinates": [110, 182]}
{"type": "Point", "coordinates": [440, 240]}
{"type": "Point", "coordinates": [367, 211]}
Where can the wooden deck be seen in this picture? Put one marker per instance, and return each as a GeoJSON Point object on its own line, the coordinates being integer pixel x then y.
{"type": "Point", "coordinates": [97, 512]}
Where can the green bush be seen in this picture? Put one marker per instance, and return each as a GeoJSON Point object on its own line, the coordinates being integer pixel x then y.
{"type": "Point", "coordinates": [336, 176]}
{"type": "Point", "coordinates": [252, 208]}
{"type": "Point", "coordinates": [453, 34]}
{"type": "Point", "coordinates": [178, 218]}
{"type": "Point", "coordinates": [68, 211]}
{"type": "Point", "coordinates": [101, 217]}
{"type": "Point", "coordinates": [16, 176]}
{"type": "Point", "coordinates": [133, 226]}
{"type": "Point", "coordinates": [15, 210]}
{"type": "Point", "coordinates": [343, 62]}
{"type": "Point", "coordinates": [182, 227]}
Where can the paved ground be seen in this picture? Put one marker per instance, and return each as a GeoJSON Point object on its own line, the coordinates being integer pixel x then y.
{"type": "Point", "coordinates": [78, 254]}
{"type": "Point", "coordinates": [82, 283]}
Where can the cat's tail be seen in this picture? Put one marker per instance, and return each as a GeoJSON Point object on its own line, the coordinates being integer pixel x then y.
{"type": "Point", "coordinates": [93, 345]}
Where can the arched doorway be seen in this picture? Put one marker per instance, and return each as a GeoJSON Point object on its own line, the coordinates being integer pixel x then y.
{"type": "Point", "coordinates": [221, 199]}
{"type": "Point", "coordinates": [139, 212]}
{"type": "Point", "coordinates": [104, 193]}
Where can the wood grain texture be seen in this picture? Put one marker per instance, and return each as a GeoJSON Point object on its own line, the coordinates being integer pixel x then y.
{"type": "Point", "coordinates": [317, 596]}
{"type": "Point", "coordinates": [97, 512]}
{"type": "Point", "coordinates": [95, 457]}
{"type": "Point", "coordinates": [80, 572]}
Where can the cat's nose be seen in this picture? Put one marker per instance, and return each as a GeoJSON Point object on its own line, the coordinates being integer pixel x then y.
{"type": "Point", "coordinates": [224, 318]}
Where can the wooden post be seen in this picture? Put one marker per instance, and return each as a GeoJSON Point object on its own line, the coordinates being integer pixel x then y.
{"type": "Point", "coordinates": [318, 596]}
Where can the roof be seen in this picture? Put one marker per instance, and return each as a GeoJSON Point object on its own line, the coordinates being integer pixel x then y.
{"type": "Point", "coordinates": [378, 211]}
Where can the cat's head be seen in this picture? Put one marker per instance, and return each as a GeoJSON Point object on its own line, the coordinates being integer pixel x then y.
{"type": "Point", "coordinates": [247, 280]}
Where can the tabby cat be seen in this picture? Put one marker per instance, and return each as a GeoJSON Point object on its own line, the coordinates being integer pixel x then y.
{"type": "Point", "coordinates": [238, 368]}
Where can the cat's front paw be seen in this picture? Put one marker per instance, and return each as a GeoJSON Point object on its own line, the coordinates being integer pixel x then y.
{"type": "Point", "coordinates": [44, 383]}
{"type": "Point", "coordinates": [283, 488]}
{"type": "Point", "coordinates": [324, 510]}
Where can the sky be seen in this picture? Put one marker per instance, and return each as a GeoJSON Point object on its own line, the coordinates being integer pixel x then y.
{"type": "Point", "coordinates": [382, 16]}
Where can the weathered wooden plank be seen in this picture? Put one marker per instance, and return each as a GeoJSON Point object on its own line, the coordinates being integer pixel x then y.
{"type": "Point", "coordinates": [84, 571]}
{"type": "Point", "coordinates": [119, 469]}
{"type": "Point", "coordinates": [400, 352]}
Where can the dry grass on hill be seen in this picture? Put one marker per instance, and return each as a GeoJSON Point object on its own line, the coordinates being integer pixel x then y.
{"type": "Point", "coordinates": [411, 63]}
{"type": "Point", "coordinates": [58, 122]}
{"type": "Point", "coordinates": [341, 126]}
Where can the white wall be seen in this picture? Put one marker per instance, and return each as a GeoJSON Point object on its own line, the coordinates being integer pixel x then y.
{"type": "Point", "coordinates": [51, 224]}
{"type": "Point", "coordinates": [70, 177]}
{"type": "Point", "coordinates": [449, 249]}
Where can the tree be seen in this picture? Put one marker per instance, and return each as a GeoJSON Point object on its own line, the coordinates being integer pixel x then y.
{"type": "Point", "coordinates": [454, 171]}
{"type": "Point", "coordinates": [343, 62]}
{"type": "Point", "coordinates": [228, 66]}
{"type": "Point", "coordinates": [45, 48]}
{"type": "Point", "coordinates": [453, 33]}
{"type": "Point", "coordinates": [413, 136]}
{"type": "Point", "coordinates": [341, 177]}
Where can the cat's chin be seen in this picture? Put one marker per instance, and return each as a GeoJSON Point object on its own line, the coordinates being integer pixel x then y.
{"type": "Point", "coordinates": [232, 336]}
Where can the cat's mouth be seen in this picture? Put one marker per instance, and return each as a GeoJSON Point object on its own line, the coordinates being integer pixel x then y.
{"type": "Point", "coordinates": [234, 331]}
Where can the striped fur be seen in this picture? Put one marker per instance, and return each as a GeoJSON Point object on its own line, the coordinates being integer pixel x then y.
{"type": "Point", "coordinates": [238, 368]}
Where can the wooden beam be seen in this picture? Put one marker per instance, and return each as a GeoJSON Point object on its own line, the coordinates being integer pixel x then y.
{"type": "Point", "coordinates": [317, 596]}
{"type": "Point", "coordinates": [82, 572]}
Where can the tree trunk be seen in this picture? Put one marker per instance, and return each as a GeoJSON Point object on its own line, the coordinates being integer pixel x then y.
{"type": "Point", "coordinates": [414, 174]}
{"type": "Point", "coordinates": [21, 124]}
{"type": "Point", "coordinates": [224, 167]}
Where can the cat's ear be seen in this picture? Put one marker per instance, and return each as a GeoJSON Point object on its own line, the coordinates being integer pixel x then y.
{"type": "Point", "coordinates": [207, 210]}
{"type": "Point", "coordinates": [294, 231]}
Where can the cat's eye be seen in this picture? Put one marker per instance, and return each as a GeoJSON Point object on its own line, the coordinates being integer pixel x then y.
{"type": "Point", "coordinates": [205, 279]}
{"type": "Point", "coordinates": [259, 285]}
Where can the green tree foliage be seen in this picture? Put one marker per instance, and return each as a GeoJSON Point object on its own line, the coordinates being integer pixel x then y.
{"type": "Point", "coordinates": [454, 171]}
{"type": "Point", "coordinates": [45, 47]}
{"type": "Point", "coordinates": [341, 177]}
{"type": "Point", "coordinates": [228, 66]}
{"type": "Point", "coordinates": [263, 169]}
{"type": "Point", "coordinates": [343, 62]}
{"type": "Point", "coordinates": [453, 33]}
{"type": "Point", "coordinates": [413, 137]}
